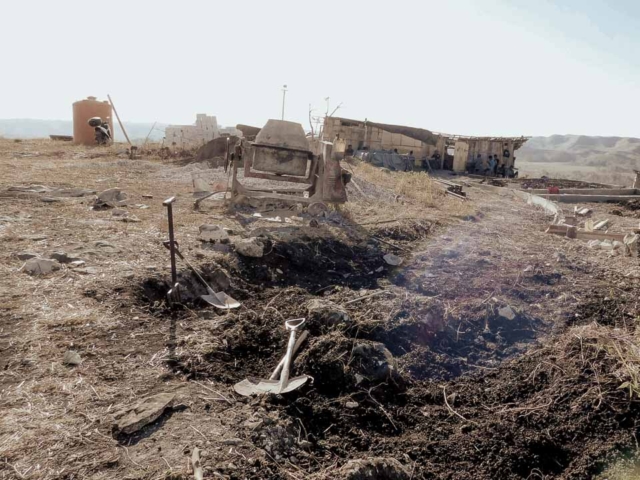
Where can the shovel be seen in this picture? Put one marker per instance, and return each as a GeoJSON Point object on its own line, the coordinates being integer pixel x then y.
{"type": "Point", "coordinates": [250, 387]}
{"type": "Point", "coordinates": [217, 299]}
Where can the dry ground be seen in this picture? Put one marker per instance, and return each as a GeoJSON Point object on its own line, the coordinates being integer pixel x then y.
{"type": "Point", "coordinates": [475, 396]}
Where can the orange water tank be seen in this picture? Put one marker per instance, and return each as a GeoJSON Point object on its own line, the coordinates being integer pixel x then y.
{"type": "Point", "coordinates": [83, 110]}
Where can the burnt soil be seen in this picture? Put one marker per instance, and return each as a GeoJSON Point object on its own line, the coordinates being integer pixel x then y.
{"type": "Point", "coordinates": [472, 395]}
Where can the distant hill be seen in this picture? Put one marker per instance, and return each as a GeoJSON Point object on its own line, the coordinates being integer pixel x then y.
{"type": "Point", "coordinates": [32, 128]}
{"type": "Point", "coordinates": [611, 152]}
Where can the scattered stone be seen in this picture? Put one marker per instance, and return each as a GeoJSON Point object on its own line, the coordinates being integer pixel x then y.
{"type": "Point", "coordinates": [146, 411]}
{"type": "Point", "coordinates": [86, 271]}
{"type": "Point", "coordinates": [77, 263]}
{"type": "Point", "coordinates": [528, 269]}
{"type": "Point", "coordinates": [118, 212]}
{"type": "Point", "coordinates": [231, 441]}
{"type": "Point", "coordinates": [147, 196]}
{"type": "Point", "coordinates": [141, 206]}
{"type": "Point", "coordinates": [71, 358]}
{"type": "Point", "coordinates": [51, 200]}
{"type": "Point", "coordinates": [351, 404]}
{"type": "Point", "coordinates": [250, 247]}
{"type": "Point", "coordinates": [559, 257]}
{"type": "Point", "coordinates": [129, 219]}
{"type": "Point", "coordinates": [507, 312]}
{"type": "Point", "coordinates": [106, 246]}
{"type": "Point", "coordinates": [26, 255]}
{"type": "Point", "coordinates": [40, 266]}
{"type": "Point", "coordinates": [114, 197]}
{"type": "Point", "coordinates": [327, 313]}
{"type": "Point", "coordinates": [376, 361]}
{"type": "Point", "coordinates": [33, 238]}
{"type": "Point", "coordinates": [253, 424]}
{"type": "Point", "coordinates": [63, 257]}
{"type": "Point", "coordinates": [305, 444]}
{"type": "Point", "coordinates": [376, 468]}
{"type": "Point", "coordinates": [72, 192]}
{"type": "Point", "coordinates": [213, 233]}
{"type": "Point", "coordinates": [392, 259]}
{"type": "Point", "coordinates": [217, 247]}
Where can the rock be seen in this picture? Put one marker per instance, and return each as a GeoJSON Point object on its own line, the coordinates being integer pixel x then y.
{"type": "Point", "coordinates": [507, 312]}
{"type": "Point", "coordinates": [40, 266]}
{"type": "Point", "coordinates": [129, 219]}
{"type": "Point", "coordinates": [77, 263]}
{"type": "Point", "coordinates": [63, 257]}
{"type": "Point", "coordinates": [327, 313]}
{"type": "Point", "coordinates": [392, 259]}
{"type": "Point", "coordinates": [118, 212]}
{"type": "Point", "coordinates": [147, 196]}
{"type": "Point", "coordinates": [86, 271]}
{"type": "Point", "coordinates": [231, 441]}
{"type": "Point", "coordinates": [217, 247]}
{"type": "Point", "coordinates": [376, 468]}
{"type": "Point", "coordinates": [26, 255]}
{"type": "Point", "coordinates": [114, 197]}
{"type": "Point", "coordinates": [559, 257]}
{"type": "Point", "coordinates": [617, 245]}
{"type": "Point", "coordinates": [213, 233]}
{"type": "Point", "coordinates": [71, 358]}
{"type": "Point", "coordinates": [106, 246]}
{"type": "Point", "coordinates": [72, 192]}
{"type": "Point", "coordinates": [146, 411]}
{"type": "Point", "coordinates": [376, 361]}
{"type": "Point", "coordinates": [351, 404]}
{"type": "Point", "coordinates": [250, 247]}
{"type": "Point", "coordinates": [253, 424]}
{"type": "Point", "coordinates": [51, 200]}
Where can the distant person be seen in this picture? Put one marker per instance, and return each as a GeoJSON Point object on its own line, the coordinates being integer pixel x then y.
{"type": "Point", "coordinates": [349, 151]}
{"type": "Point", "coordinates": [411, 161]}
{"type": "Point", "coordinates": [491, 166]}
{"type": "Point", "coordinates": [479, 167]}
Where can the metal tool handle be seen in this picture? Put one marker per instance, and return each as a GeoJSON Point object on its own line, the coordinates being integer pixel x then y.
{"type": "Point", "coordinates": [172, 242]}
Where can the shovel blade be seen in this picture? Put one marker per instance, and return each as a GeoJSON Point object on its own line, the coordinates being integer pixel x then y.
{"type": "Point", "coordinates": [248, 388]}
{"type": "Point", "coordinates": [213, 300]}
{"type": "Point", "coordinates": [222, 300]}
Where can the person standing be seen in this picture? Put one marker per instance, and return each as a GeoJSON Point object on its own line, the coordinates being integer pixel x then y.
{"type": "Point", "coordinates": [491, 166]}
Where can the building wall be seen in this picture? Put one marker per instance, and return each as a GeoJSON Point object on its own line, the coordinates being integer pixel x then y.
{"type": "Point", "coordinates": [189, 136]}
{"type": "Point", "coordinates": [359, 135]}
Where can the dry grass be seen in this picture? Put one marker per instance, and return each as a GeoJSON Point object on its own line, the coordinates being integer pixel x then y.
{"type": "Point", "coordinates": [417, 186]}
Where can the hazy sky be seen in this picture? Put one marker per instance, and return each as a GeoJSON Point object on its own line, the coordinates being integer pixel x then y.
{"type": "Point", "coordinates": [494, 67]}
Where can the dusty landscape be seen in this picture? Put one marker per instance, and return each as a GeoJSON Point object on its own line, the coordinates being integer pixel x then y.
{"type": "Point", "coordinates": [494, 350]}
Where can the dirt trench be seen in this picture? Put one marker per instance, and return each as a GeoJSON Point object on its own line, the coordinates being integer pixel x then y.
{"type": "Point", "coordinates": [450, 384]}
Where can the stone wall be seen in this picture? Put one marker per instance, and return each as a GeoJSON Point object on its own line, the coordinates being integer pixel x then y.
{"type": "Point", "coordinates": [188, 136]}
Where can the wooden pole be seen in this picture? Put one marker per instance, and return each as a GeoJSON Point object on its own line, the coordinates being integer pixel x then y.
{"type": "Point", "coordinates": [118, 117]}
{"type": "Point", "coordinates": [149, 134]}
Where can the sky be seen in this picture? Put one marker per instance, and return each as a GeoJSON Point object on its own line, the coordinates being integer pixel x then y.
{"type": "Point", "coordinates": [472, 67]}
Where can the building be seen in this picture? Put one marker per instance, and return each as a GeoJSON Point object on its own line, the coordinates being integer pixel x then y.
{"type": "Point", "coordinates": [189, 136]}
{"type": "Point", "coordinates": [455, 151]}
